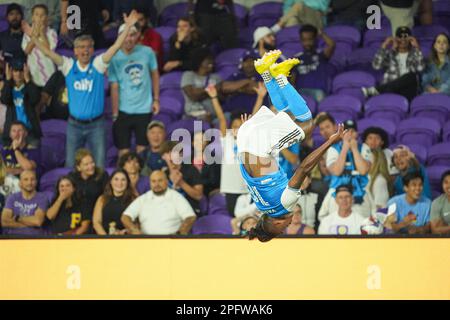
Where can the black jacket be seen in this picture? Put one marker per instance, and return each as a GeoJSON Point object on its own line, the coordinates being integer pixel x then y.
{"type": "Point", "coordinates": [31, 98]}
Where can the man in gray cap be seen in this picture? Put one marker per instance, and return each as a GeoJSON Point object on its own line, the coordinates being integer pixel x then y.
{"type": "Point", "coordinates": [156, 135]}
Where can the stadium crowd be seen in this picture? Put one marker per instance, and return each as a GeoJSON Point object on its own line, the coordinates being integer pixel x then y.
{"type": "Point", "coordinates": [90, 117]}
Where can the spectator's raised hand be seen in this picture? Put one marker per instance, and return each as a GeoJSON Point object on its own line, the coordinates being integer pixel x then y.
{"type": "Point", "coordinates": [26, 28]}
{"type": "Point", "coordinates": [261, 90]}
{"type": "Point", "coordinates": [17, 142]}
{"type": "Point", "coordinates": [211, 90]}
{"type": "Point", "coordinates": [245, 117]}
{"type": "Point", "coordinates": [389, 41]}
{"type": "Point", "coordinates": [132, 18]}
{"type": "Point", "coordinates": [413, 42]}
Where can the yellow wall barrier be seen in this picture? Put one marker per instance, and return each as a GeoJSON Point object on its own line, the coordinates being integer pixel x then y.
{"type": "Point", "coordinates": [225, 269]}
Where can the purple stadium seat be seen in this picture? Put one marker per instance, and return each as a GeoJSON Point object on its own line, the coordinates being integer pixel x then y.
{"type": "Point", "coordinates": [111, 157]}
{"type": "Point", "coordinates": [240, 13]}
{"type": "Point", "coordinates": [230, 57]}
{"type": "Point", "coordinates": [204, 205]}
{"type": "Point", "coordinates": [265, 14]}
{"type": "Point", "coordinates": [212, 224]}
{"type": "Point", "coordinates": [439, 154]}
{"type": "Point", "coordinates": [163, 117]}
{"type": "Point", "coordinates": [446, 132]}
{"type": "Point", "coordinates": [350, 83]}
{"type": "Point", "coordinates": [385, 124]}
{"type": "Point", "coordinates": [227, 72]}
{"type": "Point", "coordinates": [374, 38]}
{"type": "Point", "coordinates": [217, 201]}
{"type": "Point", "coordinates": [311, 103]}
{"type": "Point", "coordinates": [189, 124]}
{"type": "Point", "coordinates": [428, 32]}
{"type": "Point", "coordinates": [435, 174]}
{"type": "Point", "coordinates": [435, 106]}
{"type": "Point", "coordinates": [344, 34]}
{"type": "Point", "coordinates": [171, 106]}
{"type": "Point", "coordinates": [361, 59]}
{"type": "Point", "coordinates": [290, 49]}
{"type": "Point", "coordinates": [49, 195]}
{"type": "Point", "coordinates": [317, 138]}
{"type": "Point", "coordinates": [49, 179]}
{"type": "Point", "coordinates": [339, 61]}
{"type": "Point", "coordinates": [3, 8]}
{"type": "Point", "coordinates": [54, 127]}
{"type": "Point", "coordinates": [419, 150]}
{"type": "Point", "coordinates": [418, 130]}
{"type": "Point", "coordinates": [165, 32]}
{"type": "Point", "coordinates": [110, 170]}
{"type": "Point", "coordinates": [342, 107]}
{"type": "Point", "coordinates": [288, 35]}
{"type": "Point", "coordinates": [65, 52]}
{"type": "Point", "coordinates": [240, 101]}
{"type": "Point", "coordinates": [109, 133]}
{"type": "Point", "coordinates": [171, 80]}
{"type": "Point", "coordinates": [170, 14]}
{"type": "Point", "coordinates": [388, 106]}
{"type": "Point", "coordinates": [111, 35]}
{"type": "Point", "coordinates": [441, 13]}
{"type": "Point", "coordinates": [3, 25]}
{"type": "Point", "coordinates": [245, 37]}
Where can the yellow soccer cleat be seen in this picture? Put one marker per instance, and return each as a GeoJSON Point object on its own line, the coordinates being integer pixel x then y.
{"type": "Point", "coordinates": [283, 68]}
{"type": "Point", "coordinates": [263, 64]}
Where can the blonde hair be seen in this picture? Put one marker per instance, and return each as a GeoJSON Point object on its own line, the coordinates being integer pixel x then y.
{"type": "Point", "coordinates": [2, 171]}
{"type": "Point", "coordinates": [380, 167]}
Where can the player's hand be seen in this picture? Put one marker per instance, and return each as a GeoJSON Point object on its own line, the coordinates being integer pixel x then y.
{"type": "Point", "coordinates": [339, 134]}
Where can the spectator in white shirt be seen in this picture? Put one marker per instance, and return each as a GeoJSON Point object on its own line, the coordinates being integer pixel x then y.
{"type": "Point", "coordinates": [343, 221]}
{"type": "Point", "coordinates": [161, 211]}
{"type": "Point", "coordinates": [41, 66]}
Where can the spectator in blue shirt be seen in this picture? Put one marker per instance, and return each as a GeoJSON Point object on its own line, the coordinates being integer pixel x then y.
{"type": "Point", "coordinates": [412, 208]}
{"type": "Point", "coordinates": [156, 136]}
{"type": "Point", "coordinates": [133, 73]}
{"type": "Point", "coordinates": [85, 85]}
{"type": "Point", "coordinates": [436, 78]}
{"type": "Point", "coordinates": [405, 161]}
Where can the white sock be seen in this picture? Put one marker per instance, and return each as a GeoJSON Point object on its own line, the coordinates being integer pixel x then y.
{"type": "Point", "coordinates": [282, 81]}
{"type": "Point", "coordinates": [267, 77]}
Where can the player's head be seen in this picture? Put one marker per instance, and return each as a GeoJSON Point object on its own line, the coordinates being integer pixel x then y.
{"type": "Point", "coordinates": [83, 47]}
{"type": "Point", "coordinates": [308, 37]}
{"type": "Point", "coordinates": [268, 228]}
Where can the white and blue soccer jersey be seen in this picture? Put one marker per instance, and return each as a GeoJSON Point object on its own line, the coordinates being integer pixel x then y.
{"type": "Point", "coordinates": [85, 87]}
{"type": "Point", "coordinates": [266, 191]}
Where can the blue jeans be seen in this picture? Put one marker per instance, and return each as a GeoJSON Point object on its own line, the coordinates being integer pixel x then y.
{"type": "Point", "coordinates": [92, 135]}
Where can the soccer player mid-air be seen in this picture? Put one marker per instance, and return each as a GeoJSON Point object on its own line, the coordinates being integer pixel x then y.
{"type": "Point", "coordinates": [264, 135]}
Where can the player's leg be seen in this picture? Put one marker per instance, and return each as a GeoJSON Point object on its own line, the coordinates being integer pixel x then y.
{"type": "Point", "coordinates": [295, 103]}
{"type": "Point", "coordinates": [262, 66]}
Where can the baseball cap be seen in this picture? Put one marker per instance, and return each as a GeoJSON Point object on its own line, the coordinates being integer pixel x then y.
{"type": "Point", "coordinates": [17, 65]}
{"type": "Point", "coordinates": [260, 33]}
{"type": "Point", "coordinates": [350, 124]}
{"type": "Point", "coordinates": [14, 6]}
{"type": "Point", "coordinates": [156, 123]}
{"type": "Point", "coordinates": [402, 31]}
{"type": "Point", "coordinates": [344, 187]}
{"type": "Point", "coordinates": [132, 29]}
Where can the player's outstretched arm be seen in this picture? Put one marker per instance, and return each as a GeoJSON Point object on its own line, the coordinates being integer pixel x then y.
{"type": "Point", "coordinates": [313, 158]}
